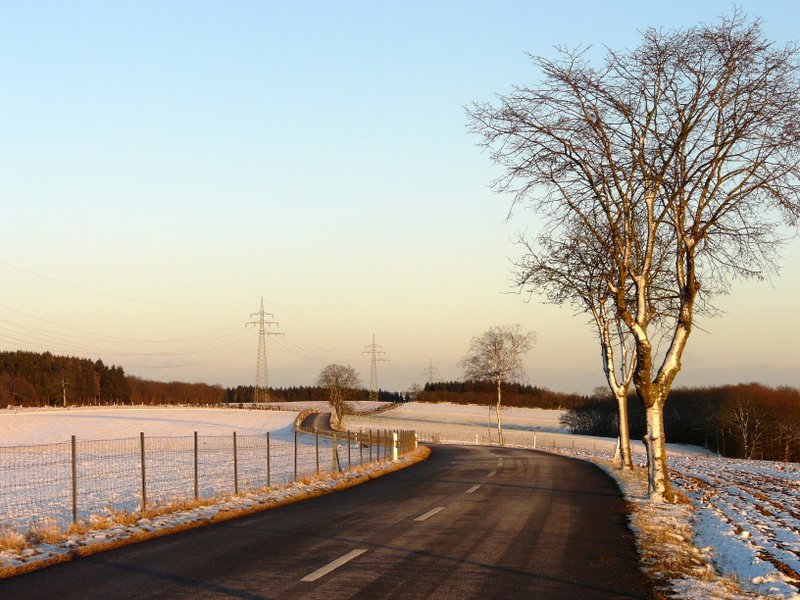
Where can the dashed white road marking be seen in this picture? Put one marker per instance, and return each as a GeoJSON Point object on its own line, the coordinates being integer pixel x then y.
{"type": "Point", "coordinates": [332, 566]}
{"type": "Point", "coordinates": [472, 489]}
{"type": "Point", "coordinates": [492, 474]}
{"type": "Point", "coordinates": [430, 513]}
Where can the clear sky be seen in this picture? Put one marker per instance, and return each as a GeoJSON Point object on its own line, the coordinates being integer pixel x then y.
{"type": "Point", "coordinates": [165, 164]}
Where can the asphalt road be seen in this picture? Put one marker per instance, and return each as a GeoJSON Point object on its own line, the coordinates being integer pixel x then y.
{"type": "Point", "coordinates": [317, 421]}
{"type": "Point", "coordinates": [467, 523]}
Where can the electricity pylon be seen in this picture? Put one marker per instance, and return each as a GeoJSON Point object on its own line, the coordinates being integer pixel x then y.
{"type": "Point", "coordinates": [431, 372]}
{"type": "Point", "coordinates": [375, 351]}
{"type": "Point", "coordinates": [262, 376]}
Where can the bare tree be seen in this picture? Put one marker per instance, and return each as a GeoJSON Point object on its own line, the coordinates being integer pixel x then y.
{"type": "Point", "coordinates": [496, 356]}
{"type": "Point", "coordinates": [787, 432]}
{"type": "Point", "coordinates": [679, 159]}
{"type": "Point", "coordinates": [574, 270]}
{"type": "Point", "coordinates": [751, 425]}
{"type": "Point", "coordinates": [340, 380]}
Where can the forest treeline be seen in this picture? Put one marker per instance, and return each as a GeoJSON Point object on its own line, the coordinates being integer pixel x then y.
{"type": "Point", "coordinates": [244, 393]}
{"type": "Point", "coordinates": [43, 379]}
{"type": "Point", "coordinates": [740, 421]}
{"type": "Point", "coordinates": [35, 379]}
{"type": "Point", "coordinates": [485, 392]}
{"type": "Point", "coordinates": [744, 421]}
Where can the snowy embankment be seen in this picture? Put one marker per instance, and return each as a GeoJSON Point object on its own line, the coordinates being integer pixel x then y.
{"type": "Point", "coordinates": [738, 538]}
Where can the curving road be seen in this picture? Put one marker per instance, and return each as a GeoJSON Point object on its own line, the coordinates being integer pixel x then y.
{"type": "Point", "coordinates": [317, 422]}
{"type": "Point", "coordinates": [467, 523]}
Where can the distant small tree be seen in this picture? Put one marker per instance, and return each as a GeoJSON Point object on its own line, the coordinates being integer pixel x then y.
{"type": "Point", "coordinates": [415, 392]}
{"type": "Point", "coordinates": [749, 422]}
{"type": "Point", "coordinates": [340, 381]}
{"type": "Point", "coordinates": [496, 356]}
{"type": "Point", "coordinates": [787, 432]}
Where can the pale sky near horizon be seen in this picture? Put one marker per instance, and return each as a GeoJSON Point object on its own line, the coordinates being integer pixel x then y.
{"type": "Point", "coordinates": [166, 164]}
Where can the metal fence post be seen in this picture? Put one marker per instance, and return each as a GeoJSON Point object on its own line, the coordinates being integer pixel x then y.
{"type": "Point", "coordinates": [144, 478]}
{"type": "Point", "coordinates": [316, 440]}
{"type": "Point", "coordinates": [349, 446]}
{"type": "Point", "coordinates": [334, 453]}
{"type": "Point", "coordinates": [196, 478]}
{"type": "Point", "coordinates": [295, 456]}
{"type": "Point", "coordinates": [268, 465]}
{"type": "Point", "coordinates": [394, 446]}
{"type": "Point", "coordinates": [235, 466]}
{"type": "Point", "coordinates": [74, 481]}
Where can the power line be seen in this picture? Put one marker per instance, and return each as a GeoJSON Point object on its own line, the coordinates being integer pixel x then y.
{"type": "Point", "coordinates": [375, 351]}
{"type": "Point", "coordinates": [97, 336]}
{"type": "Point", "coordinates": [109, 295]}
{"type": "Point", "coordinates": [262, 377]}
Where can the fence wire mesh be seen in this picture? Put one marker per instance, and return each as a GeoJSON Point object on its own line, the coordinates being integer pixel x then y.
{"type": "Point", "coordinates": [73, 481]}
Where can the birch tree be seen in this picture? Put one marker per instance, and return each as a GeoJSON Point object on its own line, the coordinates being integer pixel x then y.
{"type": "Point", "coordinates": [496, 356]}
{"type": "Point", "coordinates": [573, 271]}
{"type": "Point", "coordinates": [751, 425]}
{"type": "Point", "coordinates": [680, 154]}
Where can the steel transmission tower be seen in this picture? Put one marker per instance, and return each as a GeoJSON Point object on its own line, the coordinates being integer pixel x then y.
{"type": "Point", "coordinates": [431, 372]}
{"type": "Point", "coordinates": [262, 376]}
{"type": "Point", "coordinates": [375, 351]}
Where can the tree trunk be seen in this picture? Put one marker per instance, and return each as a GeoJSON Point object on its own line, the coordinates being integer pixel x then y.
{"type": "Point", "coordinates": [655, 444]}
{"type": "Point", "coordinates": [499, 420]}
{"type": "Point", "coordinates": [624, 432]}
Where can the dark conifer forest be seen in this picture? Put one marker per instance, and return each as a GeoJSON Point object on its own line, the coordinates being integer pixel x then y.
{"type": "Point", "coordinates": [43, 379]}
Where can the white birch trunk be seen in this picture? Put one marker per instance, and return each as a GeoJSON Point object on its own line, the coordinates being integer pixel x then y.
{"type": "Point", "coordinates": [655, 444]}
{"type": "Point", "coordinates": [499, 420]}
{"type": "Point", "coordinates": [624, 430]}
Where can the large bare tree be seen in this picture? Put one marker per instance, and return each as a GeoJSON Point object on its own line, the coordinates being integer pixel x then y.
{"type": "Point", "coordinates": [679, 159]}
{"type": "Point", "coordinates": [496, 356]}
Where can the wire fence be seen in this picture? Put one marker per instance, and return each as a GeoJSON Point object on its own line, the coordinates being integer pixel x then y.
{"type": "Point", "coordinates": [69, 482]}
{"type": "Point", "coordinates": [514, 434]}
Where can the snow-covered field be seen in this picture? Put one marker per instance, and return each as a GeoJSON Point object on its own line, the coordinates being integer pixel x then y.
{"type": "Point", "coordinates": [28, 427]}
{"type": "Point", "coordinates": [744, 516]}
{"type": "Point", "coordinates": [748, 514]}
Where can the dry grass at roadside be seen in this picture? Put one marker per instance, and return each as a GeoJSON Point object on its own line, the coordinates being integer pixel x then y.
{"type": "Point", "coordinates": [12, 540]}
{"type": "Point", "coordinates": [676, 567]}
